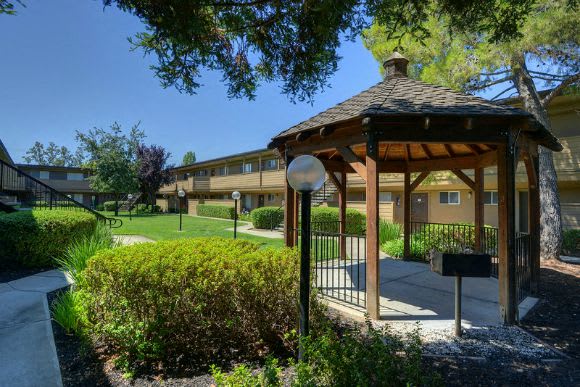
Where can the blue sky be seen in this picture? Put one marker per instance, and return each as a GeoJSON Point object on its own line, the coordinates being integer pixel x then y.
{"type": "Point", "coordinates": [66, 65]}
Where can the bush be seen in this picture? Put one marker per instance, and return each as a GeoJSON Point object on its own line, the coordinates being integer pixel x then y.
{"type": "Point", "coordinates": [355, 220]}
{"type": "Point", "coordinates": [110, 205]}
{"type": "Point", "coordinates": [213, 211]}
{"type": "Point", "coordinates": [374, 357]}
{"type": "Point", "coordinates": [100, 207]}
{"type": "Point", "coordinates": [389, 231]}
{"type": "Point", "coordinates": [192, 298]}
{"type": "Point", "coordinates": [141, 207]}
{"type": "Point", "coordinates": [37, 238]}
{"type": "Point", "coordinates": [267, 217]}
{"type": "Point", "coordinates": [571, 242]}
{"type": "Point", "coordinates": [154, 208]}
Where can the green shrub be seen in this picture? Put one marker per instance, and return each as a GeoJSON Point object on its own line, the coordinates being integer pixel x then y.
{"type": "Point", "coordinates": [100, 207]}
{"type": "Point", "coordinates": [154, 208]}
{"type": "Point", "coordinates": [245, 217]}
{"type": "Point", "coordinates": [266, 217]}
{"type": "Point", "coordinates": [571, 241]}
{"type": "Point", "coordinates": [110, 205]}
{"type": "Point", "coordinates": [355, 220]}
{"type": "Point", "coordinates": [389, 231]}
{"type": "Point", "coordinates": [356, 357]}
{"type": "Point", "coordinates": [37, 238]}
{"type": "Point", "coordinates": [74, 261]}
{"type": "Point", "coordinates": [192, 298]}
{"type": "Point", "coordinates": [214, 211]}
{"type": "Point", "coordinates": [141, 207]}
{"type": "Point", "coordinates": [68, 312]}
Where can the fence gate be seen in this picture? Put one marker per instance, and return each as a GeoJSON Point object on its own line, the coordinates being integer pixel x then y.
{"type": "Point", "coordinates": [340, 278]}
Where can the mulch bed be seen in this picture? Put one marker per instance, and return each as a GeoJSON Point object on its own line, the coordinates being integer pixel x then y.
{"type": "Point", "coordinates": [555, 321]}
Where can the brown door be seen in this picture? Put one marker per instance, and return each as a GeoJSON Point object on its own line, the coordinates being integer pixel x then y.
{"type": "Point", "coordinates": [260, 200]}
{"type": "Point", "coordinates": [420, 207]}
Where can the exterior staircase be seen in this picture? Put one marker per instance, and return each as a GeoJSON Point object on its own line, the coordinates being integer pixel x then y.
{"type": "Point", "coordinates": [129, 204]}
{"type": "Point", "coordinates": [19, 190]}
{"type": "Point", "coordinates": [326, 192]}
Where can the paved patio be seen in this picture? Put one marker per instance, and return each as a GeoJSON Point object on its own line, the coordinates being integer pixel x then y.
{"type": "Point", "coordinates": [410, 292]}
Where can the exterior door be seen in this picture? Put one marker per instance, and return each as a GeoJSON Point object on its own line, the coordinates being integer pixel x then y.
{"type": "Point", "coordinates": [523, 196]}
{"type": "Point", "coordinates": [420, 207]}
{"type": "Point", "coordinates": [260, 200]}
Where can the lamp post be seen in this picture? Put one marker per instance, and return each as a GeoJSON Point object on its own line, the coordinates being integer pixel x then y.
{"type": "Point", "coordinates": [236, 196]}
{"type": "Point", "coordinates": [129, 198]}
{"type": "Point", "coordinates": [181, 194]}
{"type": "Point", "coordinates": [305, 174]}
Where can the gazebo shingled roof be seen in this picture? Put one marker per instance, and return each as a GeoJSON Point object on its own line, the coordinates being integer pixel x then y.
{"type": "Point", "coordinates": [398, 96]}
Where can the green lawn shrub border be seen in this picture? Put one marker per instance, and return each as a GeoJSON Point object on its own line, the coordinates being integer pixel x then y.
{"type": "Point", "coordinates": [355, 220]}
{"type": "Point", "coordinates": [215, 211]}
{"type": "Point", "coordinates": [38, 238]}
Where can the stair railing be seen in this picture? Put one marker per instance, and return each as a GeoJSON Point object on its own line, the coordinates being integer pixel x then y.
{"type": "Point", "coordinates": [37, 194]}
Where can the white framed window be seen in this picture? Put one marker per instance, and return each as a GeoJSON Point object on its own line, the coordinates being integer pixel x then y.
{"type": "Point", "coordinates": [449, 197]}
{"type": "Point", "coordinates": [201, 172]}
{"type": "Point", "coordinates": [271, 164]}
{"type": "Point", "coordinates": [271, 197]}
{"type": "Point", "coordinates": [385, 196]}
{"type": "Point", "coordinates": [248, 168]}
{"type": "Point", "coordinates": [490, 197]}
{"type": "Point", "coordinates": [223, 171]}
{"type": "Point", "coordinates": [44, 175]}
{"type": "Point", "coordinates": [74, 176]}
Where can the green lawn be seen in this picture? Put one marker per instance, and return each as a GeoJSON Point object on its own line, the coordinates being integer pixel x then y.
{"type": "Point", "coordinates": [165, 226]}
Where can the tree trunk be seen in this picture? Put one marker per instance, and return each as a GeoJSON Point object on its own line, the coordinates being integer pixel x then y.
{"type": "Point", "coordinates": [550, 213]}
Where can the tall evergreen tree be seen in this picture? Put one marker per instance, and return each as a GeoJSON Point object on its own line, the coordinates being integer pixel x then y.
{"type": "Point", "coordinates": [547, 53]}
{"type": "Point", "coordinates": [188, 158]}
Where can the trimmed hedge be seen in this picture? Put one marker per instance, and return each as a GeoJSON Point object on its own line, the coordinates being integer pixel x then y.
{"type": "Point", "coordinates": [355, 220]}
{"type": "Point", "coordinates": [110, 205]}
{"type": "Point", "coordinates": [215, 211]}
{"type": "Point", "coordinates": [571, 242]}
{"type": "Point", "coordinates": [37, 238]}
{"type": "Point", "coordinates": [264, 217]}
{"type": "Point", "coordinates": [190, 299]}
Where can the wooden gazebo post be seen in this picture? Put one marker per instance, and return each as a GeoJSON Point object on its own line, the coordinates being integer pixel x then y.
{"type": "Point", "coordinates": [372, 236]}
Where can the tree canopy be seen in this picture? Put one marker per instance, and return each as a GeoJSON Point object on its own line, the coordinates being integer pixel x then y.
{"type": "Point", "coordinates": [112, 157]}
{"type": "Point", "coordinates": [54, 155]}
{"type": "Point", "coordinates": [153, 170]}
{"type": "Point", "coordinates": [188, 158]}
{"type": "Point", "coordinates": [293, 42]}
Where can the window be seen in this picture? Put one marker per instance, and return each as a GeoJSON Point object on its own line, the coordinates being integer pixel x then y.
{"type": "Point", "coordinates": [270, 164]}
{"type": "Point", "coordinates": [385, 197]}
{"type": "Point", "coordinates": [248, 168]}
{"type": "Point", "coordinates": [450, 197]}
{"type": "Point", "coordinates": [44, 175]}
{"type": "Point", "coordinates": [202, 172]}
{"type": "Point", "coordinates": [75, 176]}
{"type": "Point", "coordinates": [223, 171]}
{"type": "Point", "coordinates": [271, 197]}
{"type": "Point", "coordinates": [490, 197]}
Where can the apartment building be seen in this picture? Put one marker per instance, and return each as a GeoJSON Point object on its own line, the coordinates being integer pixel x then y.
{"type": "Point", "coordinates": [72, 181]}
{"type": "Point", "coordinates": [258, 175]}
{"type": "Point", "coordinates": [442, 198]}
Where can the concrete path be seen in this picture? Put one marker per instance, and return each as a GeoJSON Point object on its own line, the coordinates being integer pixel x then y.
{"type": "Point", "coordinates": [132, 239]}
{"type": "Point", "coordinates": [410, 292]}
{"type": "Point", "coordinates": [248, 228]}
{"type": "Point", "coordinates": [27, 352]}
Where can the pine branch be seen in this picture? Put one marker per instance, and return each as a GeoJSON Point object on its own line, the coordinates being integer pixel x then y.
{"type": "Point", "coordinates": [558, 90]}
{"type": "Point", "coordinates": [495, 74]}
{"type": "Point", "coordinates": [546, 74]}
{"type": "Point", "coordinates": [503, 92]}
{"type": "Point", "coordinates": [488, 84]}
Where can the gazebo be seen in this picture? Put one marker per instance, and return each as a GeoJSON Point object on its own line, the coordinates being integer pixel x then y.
{"type": "Point", "coordinates": [410, 127]}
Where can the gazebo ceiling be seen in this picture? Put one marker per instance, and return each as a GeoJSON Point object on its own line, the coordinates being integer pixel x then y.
{"type": "Point", "coordinates": [400, 103]}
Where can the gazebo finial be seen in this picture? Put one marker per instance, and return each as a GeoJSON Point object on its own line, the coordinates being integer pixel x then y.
{"type": "Point", "coordinates": [396, 65]}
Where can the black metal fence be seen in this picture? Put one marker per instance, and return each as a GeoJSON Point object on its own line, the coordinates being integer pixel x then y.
{"type": "Point", "coordinates": [31, 193]}
{"type": "Point", "coordinates": [450, 238]}
{"type": "Point", "coordinates": [523, 266]}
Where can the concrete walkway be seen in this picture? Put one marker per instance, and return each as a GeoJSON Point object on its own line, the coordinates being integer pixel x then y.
{"type": "Point", "coordinates": [249, 229]}
{"type": "Point", "coordinates": [131, 239]}
{"type": "Point", "coordinates": [27, 352]}
{"type": "Point", "coordinates": [411, 292]}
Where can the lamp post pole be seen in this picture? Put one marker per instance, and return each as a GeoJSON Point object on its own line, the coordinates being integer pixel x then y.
{"type": "Point", "coordinates": [181, 195]}
{"type": "Point", "coordinates": [305, 174]}
{"type": "Point", "coordinates": [130, 198]}
{"type": "Point", "coordinates": [236, 196]}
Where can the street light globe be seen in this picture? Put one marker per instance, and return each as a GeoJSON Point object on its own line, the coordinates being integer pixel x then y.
{"type": "Point", "coordinates": [130, 196]}
{"type": "Point", "coordinates": [306, 174]}
{"type": "Point", "coordinates": [236, 195]}
{"type": "Point", "coordinates": [181, 193]}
